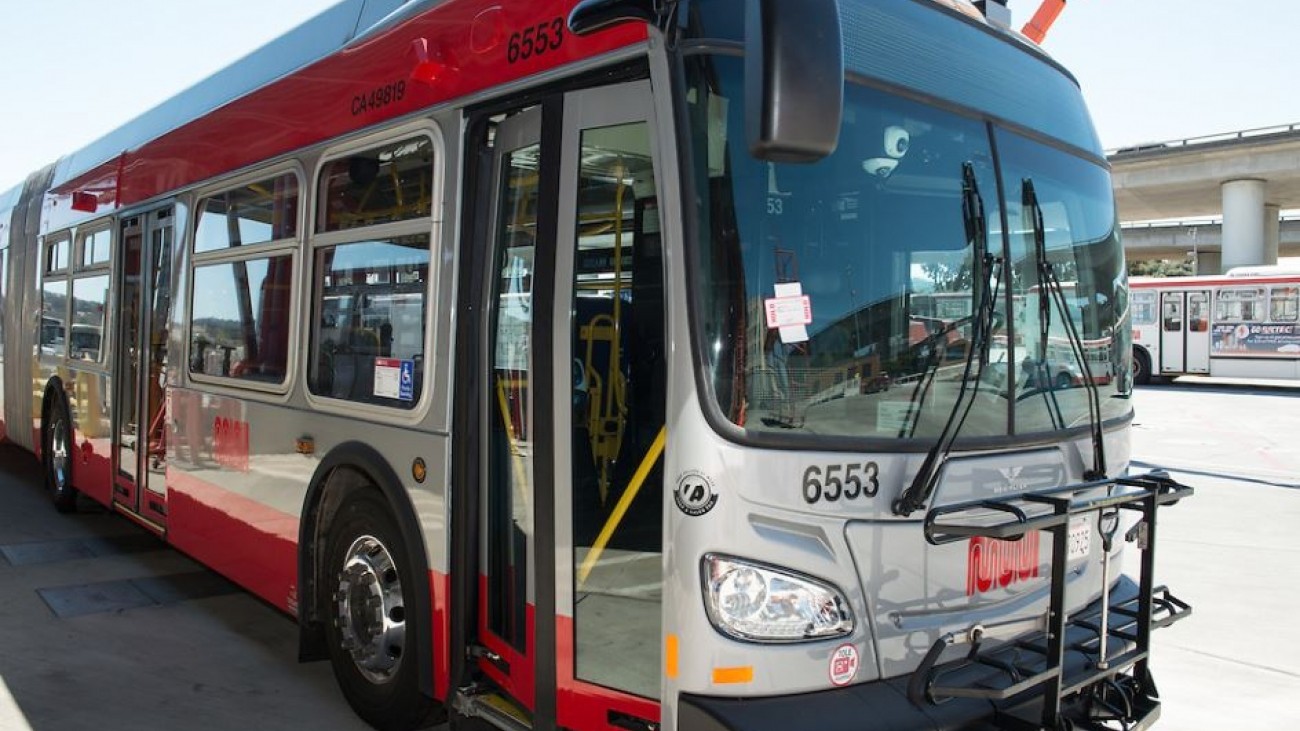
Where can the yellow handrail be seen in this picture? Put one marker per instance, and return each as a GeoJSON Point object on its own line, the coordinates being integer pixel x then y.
{"type": "Point", "coordinates": [624, 502]}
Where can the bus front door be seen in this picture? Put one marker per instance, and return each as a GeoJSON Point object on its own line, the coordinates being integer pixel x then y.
{"type": "Point", "coordinates": [569, 556]}
{"type": "Point", "coordinates": [142, 312]}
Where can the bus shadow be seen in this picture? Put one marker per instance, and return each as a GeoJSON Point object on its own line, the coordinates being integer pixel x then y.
{"type": "Point", "coordinates": [1225, 389]}
{"type": "Point", "coordinates": [1217, 475]}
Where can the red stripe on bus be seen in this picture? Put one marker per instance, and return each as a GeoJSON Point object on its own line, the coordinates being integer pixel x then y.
{"type": "Point", "coordinates": [520, 681]}
{"type": "Point", "coordinates": [253, 545]}
{"type": "Point", "coordinates": [93, 473]}
{"type": "Point", "coordinates": [440, 600]}
{"type": "Point", "coordinates": [584, 706]}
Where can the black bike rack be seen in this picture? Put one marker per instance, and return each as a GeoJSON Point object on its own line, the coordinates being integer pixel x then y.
{"type": "Point", "coordinates": [1062, 663]}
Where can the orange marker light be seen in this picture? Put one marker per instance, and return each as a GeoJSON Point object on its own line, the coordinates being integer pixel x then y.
{"type": "Point", "coordinates": [732, 676]}
{"type": "Point", "coordinates": [670, 656]}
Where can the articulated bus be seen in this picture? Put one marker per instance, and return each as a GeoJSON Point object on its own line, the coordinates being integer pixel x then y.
{"type": "Point", "coordinates": [504, 347]}
{"type": "Point", "coordinates": [1240, 325]}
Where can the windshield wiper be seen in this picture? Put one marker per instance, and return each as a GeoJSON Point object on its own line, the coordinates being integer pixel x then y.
{"type": "Point", "coordinates": [1050, 286]}
{"type": "Point", "coordinates": [985, 279]}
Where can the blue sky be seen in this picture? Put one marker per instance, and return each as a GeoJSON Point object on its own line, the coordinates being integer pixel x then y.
{"type": "Point", "coordinates": [1151, 69]}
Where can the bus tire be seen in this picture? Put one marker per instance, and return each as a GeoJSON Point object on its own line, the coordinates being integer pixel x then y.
{"type": "Point", "coordinates": [57, 451]}
{"type": "Point", "coordinates": [372, 642]}
{"type": "Point", "coordinates": [1141, 367]}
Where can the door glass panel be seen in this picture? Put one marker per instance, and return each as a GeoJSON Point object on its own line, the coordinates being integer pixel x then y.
{"type": "Point", "coordinates": [128, 371]}
{"type": "Point", "coordinates": [1173, 317]}
{"type": "Point", "coordinates": [510, 444]}
{"type": "Point", "coordinates": [1198, 311]}
{"type": "Point", "coordinates": [619, 375]}
{"type": "Point", "coordinates": [159, 315]}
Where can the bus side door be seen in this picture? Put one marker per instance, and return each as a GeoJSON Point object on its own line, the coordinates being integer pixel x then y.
{"type": "Point", "coordinates": [1197, 337]}
{"type": "Point", "coordinates": [1184, 332]}
{"type": "Point", "coordinates": [1172, 327]}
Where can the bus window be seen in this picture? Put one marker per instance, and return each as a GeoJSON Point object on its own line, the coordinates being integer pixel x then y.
{"type": "Point", "coordinates": [1240, 304]}
{"type": "Point", "coordinates": [89, 298]}
{"type": "Point", "coordinates": [56, 256]}
{"type": "Point", "coordinates": [239, 326]}
{"type": "Point", "coordinates": [243, 281]}
{"type": "Point", "coordinates": [370, 321]}
{"type": "Point", "coordinates": [1144, 308]}
{"type": "Point", "coordinates": [370, 308]}
{"type": "Point", "coordinates": [54, 303]}
{"type": "Point", "coordinates": [384, 184]}
{"type": "Point", "coordinates": [1284, 304]}
{"type": "Point", "coordinates": [256, 213]}
{"type": "Point", "coordinates": [95, 248]}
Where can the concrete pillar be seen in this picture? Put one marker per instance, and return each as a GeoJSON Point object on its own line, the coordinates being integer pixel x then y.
{"type": "Point", "coordinates": [1272, 231]}
{"type": "Point", "coordinates": [1243, 223]}
{"type": "Point", "coordinates": [1209, 262]}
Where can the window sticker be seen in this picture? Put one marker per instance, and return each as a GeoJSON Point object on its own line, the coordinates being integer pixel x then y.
{"type": "Point", "coordinates": [790, 312]}
{"type": "Point", "coordinates": [395, 379]}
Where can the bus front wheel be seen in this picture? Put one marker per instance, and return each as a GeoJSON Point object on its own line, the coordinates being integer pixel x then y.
{"type": "Point", "coordinates": [372, 640]}
{"type": "Point", "coordinates": [56, 454]}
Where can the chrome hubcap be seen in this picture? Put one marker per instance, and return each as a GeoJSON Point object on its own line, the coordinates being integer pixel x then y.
{"type": "Point", "coordinates": [59, 452]}
{"type": "Point", "coordinates": [370, 613]}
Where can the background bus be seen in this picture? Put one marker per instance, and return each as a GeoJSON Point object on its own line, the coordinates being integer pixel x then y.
{"type": "Point", "coordinates": [1240, 325]}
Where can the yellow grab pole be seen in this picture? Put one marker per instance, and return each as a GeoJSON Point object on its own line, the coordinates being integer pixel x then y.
{"type": "Point", "coordinates": [624, 502]}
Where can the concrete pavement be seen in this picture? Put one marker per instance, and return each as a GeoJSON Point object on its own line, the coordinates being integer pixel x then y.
{"type": "Point", "coordinates": [1231, 551]}
{"type": "Point", "coordinates": [104, 627]}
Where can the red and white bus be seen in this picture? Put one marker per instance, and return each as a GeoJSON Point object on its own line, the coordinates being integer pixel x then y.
{"type": "Point", "coordinates": [504, 345]}
{"type": "Point", "coordinates": [1240, 325]}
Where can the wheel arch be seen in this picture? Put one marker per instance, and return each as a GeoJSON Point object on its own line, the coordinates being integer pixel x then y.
{"type": "Point", "coordinates": [325, 493]}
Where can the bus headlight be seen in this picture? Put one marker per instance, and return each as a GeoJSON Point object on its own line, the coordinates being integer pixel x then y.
{"type": "Point", "coordinates": [750, 601]}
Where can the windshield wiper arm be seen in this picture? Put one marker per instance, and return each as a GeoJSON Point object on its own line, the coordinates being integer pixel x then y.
{"type": "Point", "coordinates": [977, 354]}
{"type": "Point", "coordinates": [1050, 284]}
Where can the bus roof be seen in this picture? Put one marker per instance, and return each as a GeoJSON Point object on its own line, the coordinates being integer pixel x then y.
{"type": "Point", "coordinates": [311, 41]}
{"type": "Point", "coordinates": [353, 66]}
{"type": "Point", "coordinates": [1211, 280]}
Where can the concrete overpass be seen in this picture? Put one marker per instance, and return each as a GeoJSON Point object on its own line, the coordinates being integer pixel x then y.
{"type": "Point", "coordinates": [1247, 178]}
{"type": "Point", "coordinates": [1198, 239]}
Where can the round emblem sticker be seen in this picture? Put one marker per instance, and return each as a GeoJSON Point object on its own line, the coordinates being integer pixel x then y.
{"type": "Point", "coordinates": [844, 664]}
{"type": "Point", "coordinates": [695, 495]}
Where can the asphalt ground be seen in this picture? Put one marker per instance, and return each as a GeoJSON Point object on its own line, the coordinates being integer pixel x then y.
{"type": "Point", "coordinates": [104, 627]}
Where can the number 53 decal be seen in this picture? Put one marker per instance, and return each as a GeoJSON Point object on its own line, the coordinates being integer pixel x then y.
{"type": "Point", "coordinates": [848, 481]}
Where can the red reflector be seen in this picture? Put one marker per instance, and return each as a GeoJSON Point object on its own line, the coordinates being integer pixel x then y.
{"type": "Point", "coordinates": [86, 202]}
{"type": "Point", "coordinates": [427, 68]}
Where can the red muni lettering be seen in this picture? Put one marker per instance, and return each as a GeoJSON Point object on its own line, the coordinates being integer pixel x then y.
{"type": "Point", "coordinates": [996, 564]}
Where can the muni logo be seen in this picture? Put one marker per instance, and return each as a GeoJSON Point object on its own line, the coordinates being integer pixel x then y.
{"type": "Point", "coordinates": [994, 564]}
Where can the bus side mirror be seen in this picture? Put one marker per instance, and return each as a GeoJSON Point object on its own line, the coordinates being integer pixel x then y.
{"type": "Point", "coordinates": [794, 79]}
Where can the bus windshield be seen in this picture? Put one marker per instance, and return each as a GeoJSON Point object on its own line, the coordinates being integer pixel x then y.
{"type": "Point", "coordinates": [837, 298]}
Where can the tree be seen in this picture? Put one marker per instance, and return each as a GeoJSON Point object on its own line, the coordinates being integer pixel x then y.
{"type": "Point", "coordinates": [1160, 268]}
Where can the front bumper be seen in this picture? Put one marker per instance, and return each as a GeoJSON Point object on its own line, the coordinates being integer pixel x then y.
{"type": "Point", "coordinates": [887, 705]}
{"type": "Point", "coordinates": [1086, 669]}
